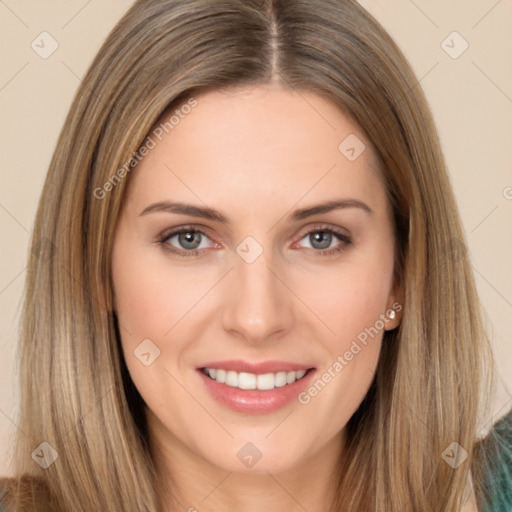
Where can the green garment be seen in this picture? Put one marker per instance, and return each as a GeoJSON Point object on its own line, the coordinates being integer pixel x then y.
{"type": "Point", "coordinates": [495, 452]}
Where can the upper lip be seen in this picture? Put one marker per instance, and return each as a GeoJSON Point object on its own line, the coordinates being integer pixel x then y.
{"type": "Point", "coordinates": [260, 368]}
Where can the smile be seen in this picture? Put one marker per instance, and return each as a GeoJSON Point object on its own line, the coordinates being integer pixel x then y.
{"type": "Point", "coordinates": [255, 388]}
{"type": "Point", "coordinates": [261, 382]}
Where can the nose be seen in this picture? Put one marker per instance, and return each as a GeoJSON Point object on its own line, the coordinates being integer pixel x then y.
{"type": "Point", "coordinates": [259, 305]}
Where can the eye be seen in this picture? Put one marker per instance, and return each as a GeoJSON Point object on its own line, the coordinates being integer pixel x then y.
{"type": "Point", "coordinates": [185, 241]}
{"type": "Point", "coordinates": [188, 241]}
{"type": "Point", "coordinates": [321, 240]}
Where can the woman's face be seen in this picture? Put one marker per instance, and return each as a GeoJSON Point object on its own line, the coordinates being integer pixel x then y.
{"type": "Point", "coordinates": [228, 260]}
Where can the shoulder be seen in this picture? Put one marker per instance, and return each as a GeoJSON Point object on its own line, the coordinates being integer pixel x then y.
{"type": "Point", "coordinates": [494, 459]}
{"type": "Point", "coordinates": [5, 484]}
{"type": "Point", "coordinates": [5, 488]}
{"type": "Point", "coordinates": [21, 493]}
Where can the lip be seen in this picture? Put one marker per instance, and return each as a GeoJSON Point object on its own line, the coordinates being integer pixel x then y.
{"type": "Point", "coordinates": [255, 401]}
{"type": "Point", "coordinates": [238, 365]}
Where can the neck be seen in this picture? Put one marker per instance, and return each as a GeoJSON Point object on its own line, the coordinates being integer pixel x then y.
{"type": "Point", "coordinates": [190, 483]}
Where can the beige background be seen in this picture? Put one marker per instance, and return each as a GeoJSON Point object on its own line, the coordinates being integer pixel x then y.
{"type": "Point", "coordinates": [471, 98]}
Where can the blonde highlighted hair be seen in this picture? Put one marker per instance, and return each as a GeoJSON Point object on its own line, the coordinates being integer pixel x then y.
{"type": "Point", "coordinates": [76, 393]}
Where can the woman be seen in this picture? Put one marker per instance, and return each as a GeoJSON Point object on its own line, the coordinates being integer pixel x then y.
{"type": "Point", "coordinates": [255, 297]}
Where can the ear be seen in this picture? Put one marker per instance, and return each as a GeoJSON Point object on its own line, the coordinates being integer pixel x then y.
{"type": "Point", "coordinates": [394, 309]}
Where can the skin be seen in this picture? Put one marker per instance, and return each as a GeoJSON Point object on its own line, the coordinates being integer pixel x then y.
{"type": "Point", "coordinates": [256, 155]}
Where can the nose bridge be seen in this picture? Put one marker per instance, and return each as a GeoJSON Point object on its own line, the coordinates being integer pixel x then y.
{"type": "Point", "coordinates": [258, 305]}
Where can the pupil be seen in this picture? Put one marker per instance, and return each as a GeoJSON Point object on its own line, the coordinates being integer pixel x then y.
{"type": "Point", "coordinates": [187, 240]}
{"type": "Point", "coordinates": [323, 238]}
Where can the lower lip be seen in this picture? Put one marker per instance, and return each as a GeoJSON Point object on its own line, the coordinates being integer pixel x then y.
{"type": "Point", "coordinates": [255, 401]}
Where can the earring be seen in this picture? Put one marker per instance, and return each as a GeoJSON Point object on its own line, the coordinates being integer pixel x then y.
{"type": "Point", "coordinates": [392, 314]}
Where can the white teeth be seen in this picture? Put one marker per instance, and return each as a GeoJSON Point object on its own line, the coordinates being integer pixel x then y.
{"type": "Point", "coordinates": [280, 379]}
{"type": "Point", "coordinates": [300, 374]}
{"type": "Point", "coordinates": [232, 379]}
{"type": "Point", "coordinates": [244, 380]}
{"type": "Point", "coordinates": [265, 381]}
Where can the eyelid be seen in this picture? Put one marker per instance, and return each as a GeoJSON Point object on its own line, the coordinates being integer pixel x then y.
{"type": "Point", "coordinates": [324, 227]}
{"type": "Point", "coordinates": [166, 233]}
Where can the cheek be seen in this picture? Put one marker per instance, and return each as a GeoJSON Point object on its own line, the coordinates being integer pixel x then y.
{"type": "Point", "coordinates": [155, 300]}
{"type": "Point", "coordinates": [351, 308]}
{"type": "Point", "coordinates": [350, 298]}
{"type": "Point", "coordinates": [150, 295]}
{"type": "Point", "coordinates": [351, 302]}
{"type": "Point", "coordinates": [149, 301]}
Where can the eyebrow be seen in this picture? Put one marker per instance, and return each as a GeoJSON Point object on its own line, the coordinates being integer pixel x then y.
{"type": "Point", "coordinates": [216, 216]}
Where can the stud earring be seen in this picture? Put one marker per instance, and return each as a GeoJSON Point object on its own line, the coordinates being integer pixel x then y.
{"type": "Point", "coordinates": [392, 314]}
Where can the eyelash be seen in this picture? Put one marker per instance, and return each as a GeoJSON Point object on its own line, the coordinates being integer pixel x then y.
{"type": "Point", "coordinates": [165, 237]}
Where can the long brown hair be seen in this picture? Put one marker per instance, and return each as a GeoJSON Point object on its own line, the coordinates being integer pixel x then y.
{"type": "Point", "coordinates": [76, 394]}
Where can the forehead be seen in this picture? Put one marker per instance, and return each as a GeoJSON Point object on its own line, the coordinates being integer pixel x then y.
{"type": "Point", "coordinates": [258, 144]}
{"type": "Point", "coordinates": [265, 117]}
